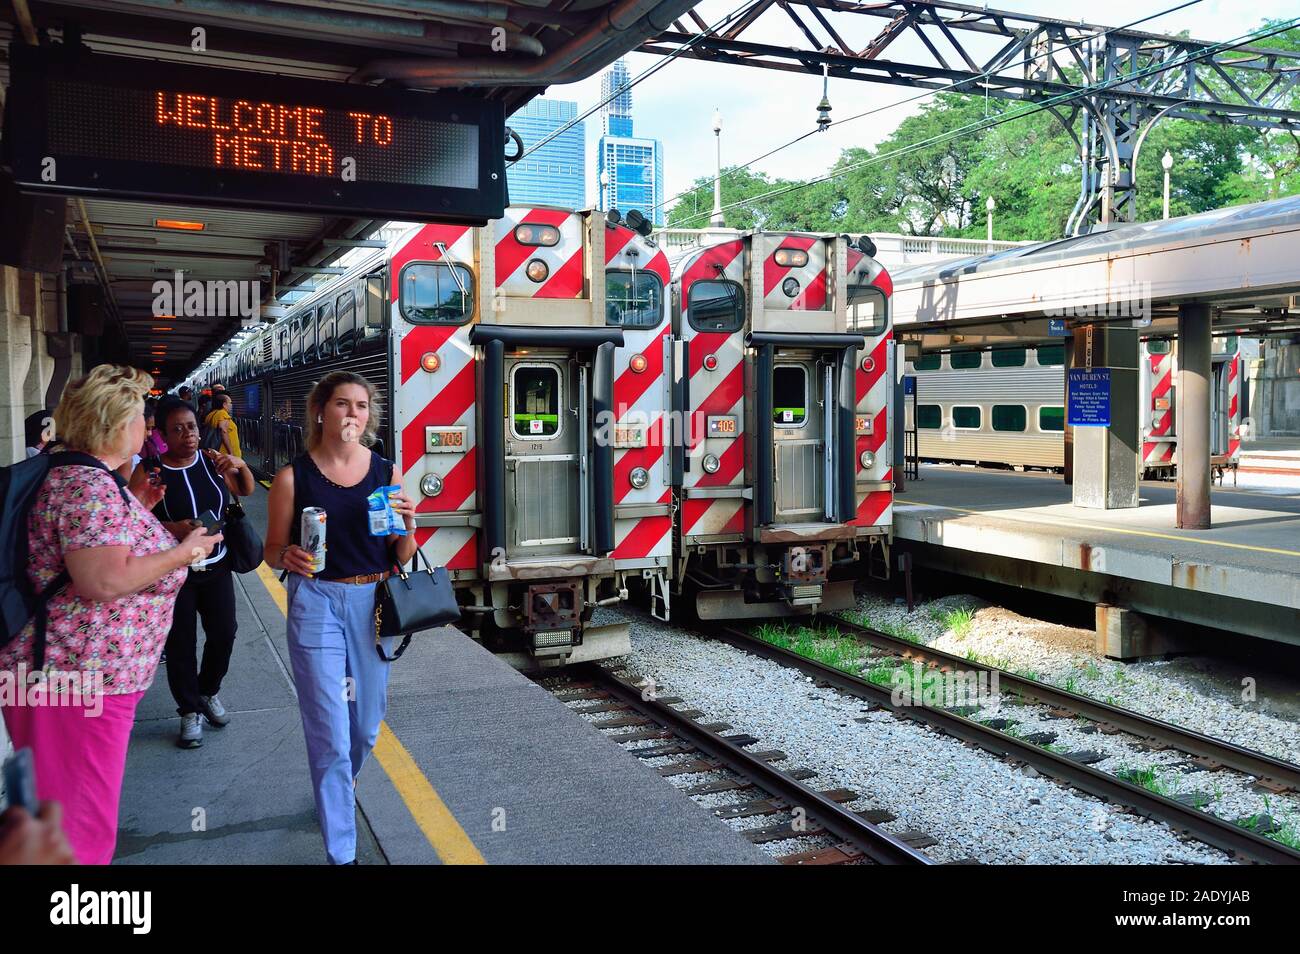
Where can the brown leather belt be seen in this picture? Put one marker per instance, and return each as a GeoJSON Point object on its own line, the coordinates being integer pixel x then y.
{"type": "Point", "coordinates": [364, 578]}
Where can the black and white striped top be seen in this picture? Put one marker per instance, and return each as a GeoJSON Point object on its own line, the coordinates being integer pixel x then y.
{"type": "Point", "coordinates": [191, 491]}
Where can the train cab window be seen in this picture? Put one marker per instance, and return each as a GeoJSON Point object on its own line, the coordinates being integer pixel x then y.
{"type": "Point", "coordinates": [927, 362]}
{"type": "Point", "coordinates": [325, 330]}
{"type": "Point", "coordinates": [1224, 345]}
{"type": "Point", "coordinates": [967, 418]}
{"type": "Point", "coordinates": [715, 306]}
{"type": "Point", "coordinates": [1008, 417]}
{"type": "Point", "coordinates": [867, 310]}
{"type": "Point", "coordinates": [789, 395]}
{"type": "Point", "coordinates": [633, 305]}
{"type": "Point", "coordinates": [1051, 356]}
{"type": "Point", "coordinates": [1009, 358]}
{"type": "Point", "coordinates": [1159, 346]}
{"type": "Point", "coordinates": [1051, 418]}
{"type": "Point", "coordinates": [345, 321]}
{"type": "Point", "coordinates": [964, 360]}
{"type": "Point", "coordinates": [929, 417]}
{"type": "Point", "coordinates": [535, 401]}
{"type": "Point", "coordinates": [437, 293]}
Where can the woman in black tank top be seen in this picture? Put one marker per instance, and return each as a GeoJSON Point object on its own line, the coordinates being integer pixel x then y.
{"type": "Point", "coordinates": [342, 682]}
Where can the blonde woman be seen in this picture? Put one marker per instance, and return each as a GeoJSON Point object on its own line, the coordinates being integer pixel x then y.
{"type": "Point", "coordinates": [108, 616]}
{"type": "Point", "coordinates": [342, 682]}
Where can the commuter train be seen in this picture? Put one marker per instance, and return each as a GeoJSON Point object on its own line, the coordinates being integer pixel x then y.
{"type": "Point", "coordinates": [570, 413]}
{"type": "Point", "coordinates": [1005, 406]}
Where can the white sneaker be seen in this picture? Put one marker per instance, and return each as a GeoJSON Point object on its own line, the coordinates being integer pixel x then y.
{"type": "Point", "coordinates": [191, 736]}
{"type": "Point", "coordinates": [214, 711]}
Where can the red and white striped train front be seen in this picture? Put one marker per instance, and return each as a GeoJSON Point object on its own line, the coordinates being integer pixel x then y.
{"type": "Point", "coordinates": [781, 373]}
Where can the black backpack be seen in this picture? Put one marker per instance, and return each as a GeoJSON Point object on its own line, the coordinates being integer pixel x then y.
{"type": "Point", "coordinates": [19, 601]}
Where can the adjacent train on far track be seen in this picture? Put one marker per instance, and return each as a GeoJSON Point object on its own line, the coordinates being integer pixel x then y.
{"type": "Point", "coordinates": [577, 418]}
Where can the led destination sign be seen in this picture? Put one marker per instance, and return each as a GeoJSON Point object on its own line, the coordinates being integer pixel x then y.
{"type": "Point", "coordinates": [84, 123]}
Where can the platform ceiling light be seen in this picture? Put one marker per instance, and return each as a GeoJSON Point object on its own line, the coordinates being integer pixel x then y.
{"type": "Point", "coordinates": [179, 224]}
{"type": "Point", "coordinates": [537, 270]}
{"type": "Point", "coordinates": [430, 361]}
{"type": "Point", "coordinates": [544, 235]}
{"type": "Point", "coordinates": [431, 485]}
{"type": "Point", "coordinates": [791, 287]}
{"type": "Point", "coordinates": [868, 459]}
{"type": "Point", "coordinates": [710, 362]}
{"type": "Point", "coordinates": [639, 478]}
{"type": "Point", "coordinates": [638, 363]}
{"type": "Point", "coordinates": [791, 257]}
{"type": "Point", "coordinates": [711, 463]}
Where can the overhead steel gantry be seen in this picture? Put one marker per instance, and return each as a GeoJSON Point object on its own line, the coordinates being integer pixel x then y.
{"type": "Point", "coordinates": [1036, 58]}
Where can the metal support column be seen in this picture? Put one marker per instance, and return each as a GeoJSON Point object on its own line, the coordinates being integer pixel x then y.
{"type": "Point", "coordinates": [1193, 416]}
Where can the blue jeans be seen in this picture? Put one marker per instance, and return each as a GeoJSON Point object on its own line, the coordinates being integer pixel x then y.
{"type": "Point", "coordinates": [342, 695]}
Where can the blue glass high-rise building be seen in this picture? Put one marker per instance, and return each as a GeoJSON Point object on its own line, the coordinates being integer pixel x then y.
{"type": "Point", "coordinates": [556, 173]}
{"type": "Point", "coordinates": [629, 168]}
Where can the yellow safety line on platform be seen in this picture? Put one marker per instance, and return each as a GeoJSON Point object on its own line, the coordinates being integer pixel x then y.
{"type": "Point", "coordinates": [1107, 529]}
{"type": "Point", "coordinates": [430, 812]}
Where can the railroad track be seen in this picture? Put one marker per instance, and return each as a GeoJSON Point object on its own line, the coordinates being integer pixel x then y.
{"type": "Point", "coordinates": [858, 837]}
{"type": "Point", "coordinates": [1241, 843]}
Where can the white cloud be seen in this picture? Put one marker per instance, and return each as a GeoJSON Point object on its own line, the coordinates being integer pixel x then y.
{"type": "Point", "coordinates": [764, 108]}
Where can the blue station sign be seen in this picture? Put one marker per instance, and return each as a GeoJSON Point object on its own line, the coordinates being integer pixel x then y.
{"type": "Point", "coordinates": [1088, 393]}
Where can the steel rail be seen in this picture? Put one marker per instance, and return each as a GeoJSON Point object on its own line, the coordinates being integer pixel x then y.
{"type": "Point", "coordinates": [878, 845]}
{"type": "Point", "coordinates": [1210, 829]}
{"type": "Point", "coordinates": [1276, 773]}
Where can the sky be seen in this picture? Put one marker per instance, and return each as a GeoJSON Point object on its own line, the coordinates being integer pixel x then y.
{"type": "Point", "coordinates": [764, 108]}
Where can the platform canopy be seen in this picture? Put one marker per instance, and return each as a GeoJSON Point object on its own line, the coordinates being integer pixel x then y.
{"type": "Point", "coordinates": [1243, 261]}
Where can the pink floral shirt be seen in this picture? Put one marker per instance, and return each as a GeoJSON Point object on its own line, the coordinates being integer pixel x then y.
{"type": "Point", "coordinates": [81, 507]}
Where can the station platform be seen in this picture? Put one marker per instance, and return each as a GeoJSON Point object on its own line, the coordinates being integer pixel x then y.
{"type": "Point", "coordinates": [1242, 574]}
{"type": "Point", "coordinates": [475, 764]}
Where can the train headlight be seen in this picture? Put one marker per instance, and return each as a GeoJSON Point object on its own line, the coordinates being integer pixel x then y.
{"type": "Point", "coordinates": [790, 257]}
{"type": "Point", "coordinates": [430, 361]}
{"type": "Point", "coordinates": [868, 460]}
{"type": "Point", "coordinates": [638, 478]}
{"type": "Point", "coordinates": [537, 270]}
{"type": "Point", "coordinates": [530, 234]}
{"type": "Point", "coordinates": [431, 485]}
{"type": "Point", "coordinates": [711, 463]}
{"type": "Point", "coordinates": [791, 287]}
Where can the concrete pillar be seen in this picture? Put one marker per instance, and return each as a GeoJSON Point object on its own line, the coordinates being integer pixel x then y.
{"type": "Point", "coordinates": [15, 359]}
{"type": "Point", "coordinates": [1106, 458]}
{"type": "Point", "coordinates": [1125, 635]}
{"type": "Point", "coordinates": [1193, 416]}
{"type": "Point", "coordinates": [37, 300]}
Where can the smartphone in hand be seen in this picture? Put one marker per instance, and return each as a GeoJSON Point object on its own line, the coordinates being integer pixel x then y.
{"type": "Point", "coordinates": [20, 780]}
{"type": "Point", "coordinates": [211, 522]}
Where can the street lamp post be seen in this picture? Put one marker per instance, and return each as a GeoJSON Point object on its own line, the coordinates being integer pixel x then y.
{"type": "Point", "coordinates": [716, 219]}
{"type": "Point", "coordinates": [990, 205]}
{"type": "Point", "coordinates": [604, 191]}
{"type": "Point", "coordinates": [1167, 163]}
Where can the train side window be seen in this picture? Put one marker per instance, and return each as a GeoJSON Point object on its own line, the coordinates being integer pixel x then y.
{"type": "Point", "coordinates": [376, 307]}
{"type": "Point", "coordinates": [295, 343]}
{"type": "Point", "coordinates": [536, 400]}
{"type": "Point", "coordinates": [715, 305]}
{"type": "Point", "coordinates": [345, 310]}
{"type": "Point", "coordinates": [309, 337]}
{"type": "Point", "coordinates": [627, 306]}
{"type": "Point", "coordinates": [789, 395]}
{"type": "Point", "coordinates": [1158, 346]}
{"type": "Point", "coordinates": [1051, 356]}
{"type": "Point", "coordinates": [325, 330]}
{"type": "Point", "coordinates": [1051, 418]}
{"type": "Point", "coordinates": [967, 418]}
{"type": "Point", "coordinates": [282, 348]}
{"type": "Point", "coordinates": [868, 310]}
{"type": "Point", "coordinates": [1009, 358]}
{"type": "Point", "coordinates": [927, 362]}
{"type": "Point", "coordinates": [1008, 417]}
{"type": "Point", "coordinates": [436, 293]}
{"type": "Point", "coordinates": [964, 360]}
{"type": "Point", "coordinates": [929, 417]}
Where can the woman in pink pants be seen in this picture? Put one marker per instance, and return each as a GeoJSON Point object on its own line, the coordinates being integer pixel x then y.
{"type": "Point", "coordinates": [113, 573]}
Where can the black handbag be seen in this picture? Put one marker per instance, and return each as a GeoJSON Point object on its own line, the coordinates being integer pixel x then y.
{"type": "Point", "coordinates": [243, 545]}
{"type": "Point", "coordinates": [211, 440]}
{"type": "Point", "coordinates": [409, 602]}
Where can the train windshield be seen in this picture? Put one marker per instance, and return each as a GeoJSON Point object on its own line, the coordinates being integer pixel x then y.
{"type": "Point", "coordinates": [715, 305]}
{"type": "Point", "coordinates": [633, 301]}
{"type": "Point", "coordinates": [437, 293]}
{"type": "Point", "coordinates": [868, 311]}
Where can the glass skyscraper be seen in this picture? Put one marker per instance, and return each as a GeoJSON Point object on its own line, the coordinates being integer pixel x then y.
{"type": "Point", "coordinates": [556, 173]}
{"type": "Point", "coordinates": [629, 169]}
